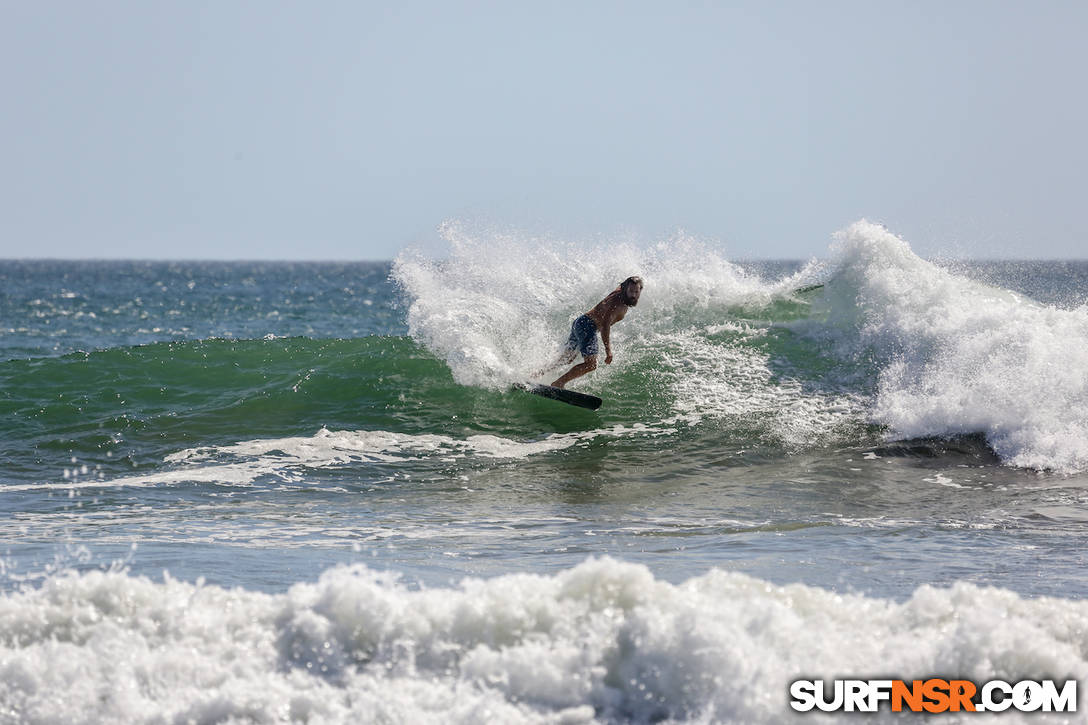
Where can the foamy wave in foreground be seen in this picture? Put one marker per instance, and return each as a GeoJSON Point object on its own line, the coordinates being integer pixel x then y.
{"type": "Point", "coordinates": [601, 642]}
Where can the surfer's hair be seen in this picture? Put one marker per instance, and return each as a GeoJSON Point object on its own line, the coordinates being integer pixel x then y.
{"type": "Point", "coordinates": [625, 287]}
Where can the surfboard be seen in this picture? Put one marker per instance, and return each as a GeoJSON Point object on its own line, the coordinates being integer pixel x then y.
{"type": "Point", "coordinates": [571, 397]}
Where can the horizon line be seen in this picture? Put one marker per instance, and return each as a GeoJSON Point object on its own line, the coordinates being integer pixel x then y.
{"type": "Point", "coordinates": [254, 260]}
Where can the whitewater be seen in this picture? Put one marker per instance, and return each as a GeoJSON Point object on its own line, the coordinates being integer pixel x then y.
{"type": "Point", "coordinates": [601, 642]}
{"type": "Point", "coordinates": [947, 355]}
{"type": "Point", "coordinates": [259, 492]}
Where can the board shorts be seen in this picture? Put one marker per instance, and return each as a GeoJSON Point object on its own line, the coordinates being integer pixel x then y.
{"type": "Point", "coordinates": [583, 336]}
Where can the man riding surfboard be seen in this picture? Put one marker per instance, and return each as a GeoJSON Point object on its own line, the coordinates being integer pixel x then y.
{"type": "Point", "coordinates": [583, 331]}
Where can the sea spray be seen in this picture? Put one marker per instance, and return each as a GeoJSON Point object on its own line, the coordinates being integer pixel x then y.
{"type": "Point", "coordinates": [500, 304]}
{"type": "Point", "coordinates": [960, 357]}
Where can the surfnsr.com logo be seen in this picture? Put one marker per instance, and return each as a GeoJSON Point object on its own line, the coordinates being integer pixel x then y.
{"type": "Point", "coordinates": [934, 695]}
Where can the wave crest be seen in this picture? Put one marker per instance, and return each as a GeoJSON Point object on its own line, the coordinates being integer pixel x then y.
{"type": "Point", "coordinates": [960, 357]}
{"type": "Point", "coordinates": [602, 642]}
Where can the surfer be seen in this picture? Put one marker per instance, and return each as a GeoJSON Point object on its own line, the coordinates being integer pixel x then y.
{"type": "Point", "coordinates": [583, 331]}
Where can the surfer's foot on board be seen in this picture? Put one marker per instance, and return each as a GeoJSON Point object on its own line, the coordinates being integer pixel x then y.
{"type": "Point", "coordinates": [588, 366]}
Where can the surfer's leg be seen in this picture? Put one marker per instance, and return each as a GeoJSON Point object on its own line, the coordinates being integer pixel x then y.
{"type": "Point", "coordinates": [586, 366]}
{"type": "Point", "coordinates": [584, 335]}
{"type": "Point", "coordinates": [565, 358]}
{"type": "Point", "coordinates": [575, 342]}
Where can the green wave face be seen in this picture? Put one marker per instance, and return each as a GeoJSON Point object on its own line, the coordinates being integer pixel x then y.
{"type": "Point", "coordinates": [126, 410]}
{"type": "Point", "coordinates": [130, 407]}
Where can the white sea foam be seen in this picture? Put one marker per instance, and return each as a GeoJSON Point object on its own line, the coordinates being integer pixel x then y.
{"type": "Point", "coordinates": [711, 380]}
{"type": "Point", "coordinates": [288, 459]}
{"type": "Point", "coordinates": [602, 642]}
{"type": "Point", "coordinates": [329, 448]}
{"type": "Point", "coordinates": [958, 356]}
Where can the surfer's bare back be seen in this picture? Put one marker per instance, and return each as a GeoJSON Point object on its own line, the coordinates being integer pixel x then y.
{"type": "Point", "coordinates": [583, 331]}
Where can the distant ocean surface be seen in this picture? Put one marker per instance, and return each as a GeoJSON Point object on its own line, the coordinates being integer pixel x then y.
{"type": "Point", "coordinates": [287, 492]}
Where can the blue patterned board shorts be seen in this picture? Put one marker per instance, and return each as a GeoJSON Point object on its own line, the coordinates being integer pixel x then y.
{"type": "Point", "coordinates": [583, 336]}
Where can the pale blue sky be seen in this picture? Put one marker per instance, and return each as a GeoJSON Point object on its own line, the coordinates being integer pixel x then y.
{"type": "Point", "coordinates": [348, 130]}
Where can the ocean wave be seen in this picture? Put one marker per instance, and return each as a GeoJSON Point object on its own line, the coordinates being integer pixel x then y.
{"type": "Point", "coordinates": [872, 335]}
{"type": "Point", "coordinates": [879, 345]}
{"type": "Point", "coordinates": [960, 357]}
{"type": "Point", "coordinates": [601, 642]}
{"type": "Point", "coordinates": [696, 347]}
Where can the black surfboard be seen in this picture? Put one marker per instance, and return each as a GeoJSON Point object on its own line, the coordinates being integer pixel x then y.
{"type": "Point", "coordinates": [571, 397]}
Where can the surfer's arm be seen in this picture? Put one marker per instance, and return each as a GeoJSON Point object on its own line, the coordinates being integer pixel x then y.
{"type": "Point", "coordinates": [606, 338]}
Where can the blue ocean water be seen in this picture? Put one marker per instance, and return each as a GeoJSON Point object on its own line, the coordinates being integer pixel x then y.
{"type": "Point", "coordinates": [262, 492]}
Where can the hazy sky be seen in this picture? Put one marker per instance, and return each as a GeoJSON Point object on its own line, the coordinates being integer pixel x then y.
{"type": "Point", "coordinates": [348, 130]}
